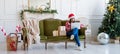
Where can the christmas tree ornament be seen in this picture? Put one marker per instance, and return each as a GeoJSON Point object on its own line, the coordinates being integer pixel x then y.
{"type": "Point", "coordinates": [103, 38]}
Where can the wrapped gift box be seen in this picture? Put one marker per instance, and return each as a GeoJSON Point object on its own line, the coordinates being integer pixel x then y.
{"type": "Point", "coordinates": [61, 28]}
{"type": "Point", "coordinates": [116, 41]}
{"type": "Point", "coordinates": [55, 33]}
{"type": "Point", "coordinates": [61, 31]}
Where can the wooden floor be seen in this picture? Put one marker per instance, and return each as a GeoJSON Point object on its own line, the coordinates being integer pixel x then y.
{"type": "Point", "coordinates": [58, 48]}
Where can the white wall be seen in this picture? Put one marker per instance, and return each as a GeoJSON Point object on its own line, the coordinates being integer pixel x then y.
{"type": "Point", "coordinates": [81, 8]}
{"type": "Point", "coordinates": [38, 3]}
{"type": "Point", "coordinates": [87, 9]}
{"type": "Point", "coordinates": [10, 15]}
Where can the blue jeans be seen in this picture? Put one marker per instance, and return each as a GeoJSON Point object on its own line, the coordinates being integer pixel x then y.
{"type": "Point", "coordinates": [75, 33]}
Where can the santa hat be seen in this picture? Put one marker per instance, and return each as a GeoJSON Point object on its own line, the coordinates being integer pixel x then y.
{"type": "Point", "coordinates": [71, 15]}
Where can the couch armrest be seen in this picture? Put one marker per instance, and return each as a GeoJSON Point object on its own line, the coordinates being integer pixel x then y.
{"type": "Point", "coordinates": [82, 31]}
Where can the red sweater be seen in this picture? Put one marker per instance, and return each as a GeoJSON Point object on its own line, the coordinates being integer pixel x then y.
{"type": "Point", "coordinates": [68, 26]}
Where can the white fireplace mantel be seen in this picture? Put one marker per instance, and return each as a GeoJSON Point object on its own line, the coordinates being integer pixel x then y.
{"type": "Point", "coordinates": [39, 16]}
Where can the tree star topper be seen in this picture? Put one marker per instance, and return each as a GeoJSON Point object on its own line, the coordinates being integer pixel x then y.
{"type": "Point", "coordinates": [111, 8]}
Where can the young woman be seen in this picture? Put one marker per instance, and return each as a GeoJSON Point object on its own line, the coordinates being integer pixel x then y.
{"type": "Point", "coordinates": [72, 33]}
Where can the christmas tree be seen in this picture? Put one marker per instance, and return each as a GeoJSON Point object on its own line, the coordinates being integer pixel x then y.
{"type": "Point", "coordinates": [111, 20]}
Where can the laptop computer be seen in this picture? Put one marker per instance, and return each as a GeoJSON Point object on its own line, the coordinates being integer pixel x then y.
{"type": "Point", "coordinates": [75, 25]}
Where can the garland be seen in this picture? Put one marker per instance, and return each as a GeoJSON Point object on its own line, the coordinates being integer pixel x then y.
{"type": "Point", "coordinates": [37, 11]}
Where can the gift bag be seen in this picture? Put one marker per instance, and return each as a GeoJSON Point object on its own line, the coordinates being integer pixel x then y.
{"type": "Point", "coordinates": [11, 41]}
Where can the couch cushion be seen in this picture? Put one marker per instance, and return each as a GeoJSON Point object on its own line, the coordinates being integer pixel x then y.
{"type": "Point", "coordinates": [50, 25]}
{"type": "Point", "coordinates": [57, 38]}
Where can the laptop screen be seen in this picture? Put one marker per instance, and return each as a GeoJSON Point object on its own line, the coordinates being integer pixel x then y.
{"type": "Point", "coordinates": [75, 25]}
